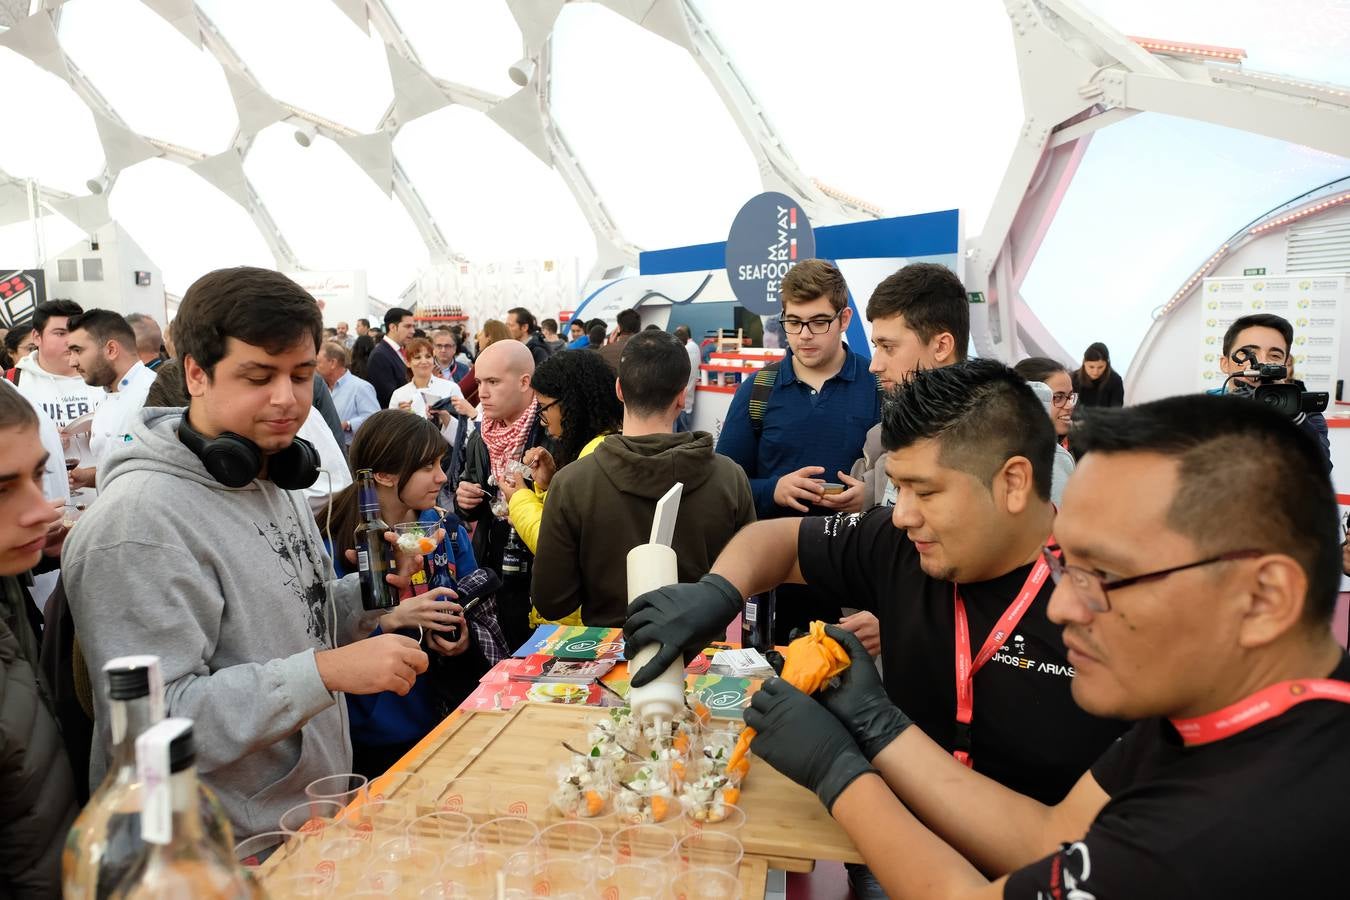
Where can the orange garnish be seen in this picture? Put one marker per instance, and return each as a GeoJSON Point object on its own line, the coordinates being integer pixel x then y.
{"type": "Point", "coordinates": [594, 803]}
{"type": "Point", "coordinates": [681, 742]}
{"type": "Point", "coordinates": [425, 545]}
{"type": "Point", "coordinates": [731, 796]}
{"type": "Point", "coordinates": [659, 808]}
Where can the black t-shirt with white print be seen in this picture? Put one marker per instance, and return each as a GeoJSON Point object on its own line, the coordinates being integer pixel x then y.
{"type": "Point", "coordinates": [1264, 813]}
{"type": "Point", "coordinates": [1026, 732]}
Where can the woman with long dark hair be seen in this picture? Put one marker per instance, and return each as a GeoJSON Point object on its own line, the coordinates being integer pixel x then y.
{"type": "Point", "coordinates": [404, 453]}
{"type": "Point", "coordinates": [578, 407]}
{"type": "Point", "coordinates": [1052, 384]}
{"type": "Point", "coordinates": [1096, 383]}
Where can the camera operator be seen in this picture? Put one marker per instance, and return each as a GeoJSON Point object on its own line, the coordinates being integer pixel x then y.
{"type": "Point", "coordinates": [1263, 339]}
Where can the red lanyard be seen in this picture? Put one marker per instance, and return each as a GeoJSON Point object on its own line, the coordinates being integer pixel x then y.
{"type": "Point", "coordinates": [966, 667]}
{"type": "Point", "coordinates": [1262, 706]}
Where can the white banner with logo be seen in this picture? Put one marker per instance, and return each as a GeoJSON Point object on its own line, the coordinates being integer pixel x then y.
{"type": "Point", "coordinates": [1314, 304]}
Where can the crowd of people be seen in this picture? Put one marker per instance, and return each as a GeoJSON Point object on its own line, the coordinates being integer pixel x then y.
{"type": "Point", "coordinates": [1140, 653]}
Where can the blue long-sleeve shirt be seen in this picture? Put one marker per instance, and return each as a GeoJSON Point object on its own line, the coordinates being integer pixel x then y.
{"type": "Point", "coordinates": [355, 401]}
{"type": "Point", "coordinates": [802, 427]}
{"type": "Point", "coordinates": [385, 719]}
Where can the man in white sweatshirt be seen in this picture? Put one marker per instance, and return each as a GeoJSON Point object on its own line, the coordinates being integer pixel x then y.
{"type": "Point", "coordinates": [46, 375]}
{"type": "Point", "coordinates": [102, 346]}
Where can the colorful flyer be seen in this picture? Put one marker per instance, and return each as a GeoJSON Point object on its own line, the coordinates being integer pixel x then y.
{"type": "Point", "coordinates": [574, 642]}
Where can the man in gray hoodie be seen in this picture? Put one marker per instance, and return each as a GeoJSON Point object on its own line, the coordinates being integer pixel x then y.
{"type": "Point", "coordinates": [230, 585]}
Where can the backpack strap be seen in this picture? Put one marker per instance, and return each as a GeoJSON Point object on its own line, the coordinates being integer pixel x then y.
{"type": "Point", "coordinates": [759, 396]}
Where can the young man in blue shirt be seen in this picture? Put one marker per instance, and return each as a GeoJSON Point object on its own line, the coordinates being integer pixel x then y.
{"type": "Point", "coordinates": [813, 423]}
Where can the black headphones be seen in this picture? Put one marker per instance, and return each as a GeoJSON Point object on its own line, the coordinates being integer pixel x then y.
{"type": "Point", "coordinates": [234, 460]}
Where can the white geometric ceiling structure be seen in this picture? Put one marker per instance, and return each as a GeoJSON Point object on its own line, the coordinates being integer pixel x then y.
{"type": "Point", "coordinates": [385, 134]}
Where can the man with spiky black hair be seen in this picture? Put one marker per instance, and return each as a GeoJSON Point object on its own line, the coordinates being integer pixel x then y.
{"type": "Point", "coordinates": [956, 563]}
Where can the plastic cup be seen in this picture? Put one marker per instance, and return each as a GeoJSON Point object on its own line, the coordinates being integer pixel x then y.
{"type": "Point", "coordinates": [630, 882]}
{"type": "Point", "coordinates": [440, 830]}
{"type": "Point", "coordinates": [471, 796]}
{"type": "Point", "coordinates": [342, 789]}
{"type": "Point", "coordinates": [518, 868]}
{"type": "Point", "coordinates": [506, 835]}
{"type": "Point", "coordinates": [595, 801]}
{"type": "Point", "coordinates": [704, 817]}
{"type": "Point", "coordinates": [645, 794]}
{"type": "Point", "coordinates": [310, 884]}
{"type": "Point", "coordinates": [705, 884]}
{"type": "Point", "coordinates": [343, 857]}
{"type": "Point", "coordinates": [643, 844]}
{"type": "Point", "coordinates": [570, 840]}
{"type": "Point", "coordinates": [311, 818]}
{"type": "Point", "coordinates": [443, 889]}
{"type": "Point", "coordinates": [473, 867]}
{"type": "Point", "coordinates": [377, 819]}
{"type": "Point", "coordinates": [559, 877]}
{"type": "Point", "coordinates": [710, 850]}
{"type": "Point", "coordinates": [257, 850]}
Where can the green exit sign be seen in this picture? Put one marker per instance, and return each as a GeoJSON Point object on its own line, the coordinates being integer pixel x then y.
{"type": "Point", "coordinates": [1260, 271]}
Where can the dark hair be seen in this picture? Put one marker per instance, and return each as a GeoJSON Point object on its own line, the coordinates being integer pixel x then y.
{"type": "Point", "coordinates": [362, 347]}
{"type": "Point", "coordinates": [257, 306]}
{"type": "Point", "coordinates": [1258, 320]}
{"type": "Point", "coordinates": [549, 325]}
{"type": "Point", "coordinates": [336, 352]}
{"type": "Point", "coordinates": [812, 278]}
{"type": "Point", "coordinates": [931, 299]}
{"type": "Point", "coordinates": [523, 317]}
{"type": "Point", "coordinates": [15, 411]}
{"type": "Point", "coordinates": [170, 387]}
{"type": "Point", "coordinates": [17, 335]}
{"type": "Point", "coordinates": [394, 315]}
{"type": "Point", "coordinates": [390, 441]}
{"type": "Point", "coordinates": [1236, 459]}
{"type": "Point", "coordinates": [682, 333]}
{"type": "Point", "coordinates": [594, 322]}
{"type": "Point", "coordinates": [365, 322]}
{"type": "Point", "coordinates": [578, 323]}
{"type": "Point", "coordinates": [583, 383]}
{"type": "Point", "coordinates": [1095, 352]}
{"type": "Point", "coordinates": [149, 338]}
{"type": "Point", "coordinates": [104, 325]}
{"type": "Point", "coordinates": [630, 322]}
{"type": "Point", "coordinates": [597, 335]}
{"type": "Point", "coordinates": [653, 369]}
{"type": "Point", "coordinates": [980, 412]}
{"type": "Point", "coordinates": [49, 308]}
{"type": "Point", "coordinates": [1039, 368]}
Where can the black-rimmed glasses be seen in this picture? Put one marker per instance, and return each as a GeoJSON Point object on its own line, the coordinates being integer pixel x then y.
{"type": "Point", "coordinates": [1059, 398]}
{"type": "Point", "coordinates": [1094, 590]}
{"type": "Point", "coordinates": [815, 326]}
{"type": "Point", "coordinates": [546, 407]}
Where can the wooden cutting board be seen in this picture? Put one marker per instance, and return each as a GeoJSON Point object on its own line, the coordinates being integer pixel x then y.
{"type": "Point", "coordinates": [520, 752]}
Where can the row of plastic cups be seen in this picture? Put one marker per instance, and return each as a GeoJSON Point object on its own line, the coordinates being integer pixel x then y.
{"type": "Point", "coordinates": [561, 881]}
{"type": "Point", "coordinates": [561, 858]}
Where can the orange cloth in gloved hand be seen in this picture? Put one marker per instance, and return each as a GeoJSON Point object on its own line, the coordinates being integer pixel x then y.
{"type": "Point", "coordinates": [810, 662]}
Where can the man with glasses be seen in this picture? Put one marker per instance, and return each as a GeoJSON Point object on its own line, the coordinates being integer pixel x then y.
{"type": "Point", "coordinates": [954, 571]}
{"type": "Point", "coordinates": [446, 348]}
{"type": "Point", "coordinates": [1213, 634]}
{"type": "Point", "coordinates": [798, 439]}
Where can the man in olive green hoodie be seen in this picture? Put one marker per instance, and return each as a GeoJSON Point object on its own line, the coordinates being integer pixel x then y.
{"type": "Point", "coordinates": [601, 506]}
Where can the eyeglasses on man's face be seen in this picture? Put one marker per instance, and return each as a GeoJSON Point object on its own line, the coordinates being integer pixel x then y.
{"type": "Point", "coordinates": [816, 325]}
{"type": "Point", "coordinates": [1094, 591]}
{"type": "Point", "coordinates": [1060, 398]}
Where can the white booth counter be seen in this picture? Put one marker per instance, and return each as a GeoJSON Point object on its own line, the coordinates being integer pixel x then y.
{"type": "Point", "coordinates": [718, 379]}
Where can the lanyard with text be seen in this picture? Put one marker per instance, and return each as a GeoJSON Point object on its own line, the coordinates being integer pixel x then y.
{"type": "Point", "coordinates": [1264, 705]}
{"type": "Point", "coordinates": [967, 667]}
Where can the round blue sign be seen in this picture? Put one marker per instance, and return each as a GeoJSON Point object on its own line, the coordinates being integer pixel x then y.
{"type": "Point", "coordinates": [768, 237]}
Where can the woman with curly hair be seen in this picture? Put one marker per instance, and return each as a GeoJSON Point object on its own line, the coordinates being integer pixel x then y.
{"type": "Point", "coordinates": [579, 407]}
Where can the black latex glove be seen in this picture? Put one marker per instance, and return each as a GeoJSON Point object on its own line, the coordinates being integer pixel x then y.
{"type": "Point", "coordinates": [681, 618]}
{"type": "Point", "coordinates": [860, 701]}
{"type": "Point", "coordinates": [801, 739]}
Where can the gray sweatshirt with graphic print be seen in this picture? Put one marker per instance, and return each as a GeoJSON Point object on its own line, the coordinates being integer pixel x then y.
{"type": "Point", "coordinates": [231, 589]}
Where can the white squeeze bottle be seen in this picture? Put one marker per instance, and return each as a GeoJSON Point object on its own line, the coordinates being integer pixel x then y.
{"type": "Point", "coordinates": [651, 566]}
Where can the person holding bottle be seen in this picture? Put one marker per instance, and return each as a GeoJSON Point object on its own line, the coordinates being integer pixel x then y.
{"type": "Point", "coordinates": [37, 789]}
{"type": "Point", "coordinates": [404, 453]}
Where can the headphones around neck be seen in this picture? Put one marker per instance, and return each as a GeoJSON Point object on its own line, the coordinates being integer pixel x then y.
{"type": "Point", "coordinates": [234, 460]}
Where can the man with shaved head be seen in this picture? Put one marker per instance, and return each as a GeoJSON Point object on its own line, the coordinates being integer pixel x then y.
{"type": "Point", "coordinates": [149, 340]}
{"type": "Point", "coordinates": [511, 425]}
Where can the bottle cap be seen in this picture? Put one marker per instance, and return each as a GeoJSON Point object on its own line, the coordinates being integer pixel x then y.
{"type": "Point", "coordinates": [130, 677]}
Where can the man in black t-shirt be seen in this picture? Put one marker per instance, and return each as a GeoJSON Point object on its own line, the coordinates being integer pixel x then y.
{"type": "Point", "coordinates": [1200, 569]}
{"type": "Point", "coordinates": [970, 451]}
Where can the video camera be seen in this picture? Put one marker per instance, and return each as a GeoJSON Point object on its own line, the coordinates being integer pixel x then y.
{"type": "Point", "coordinates": [1287, 399]}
